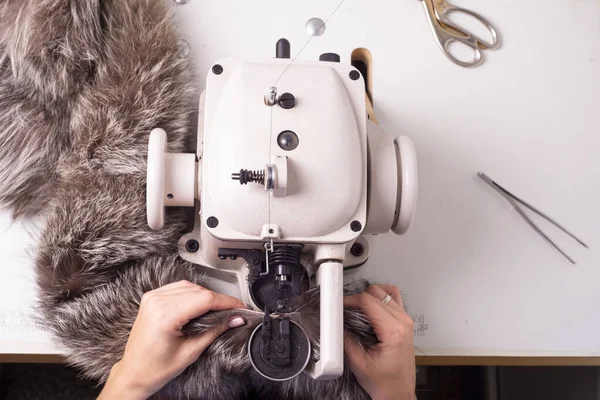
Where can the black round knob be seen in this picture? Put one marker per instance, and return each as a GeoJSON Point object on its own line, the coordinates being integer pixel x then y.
{"type": "Point", "coordinates": [288, 141]}
{"type": "Point", "coordinates": [330, 57]}
{"type": "Point", "coordinates": [356, 226]}
{"type": "Point", "coordinates": [192, 246]}
{"type": "Point", "coordinates": [212, 222]}
{"type": "Point", "coordinates": [357, 250]}
{"type": "Point", "coordinates": [282, 49]}
{"type": "Point", "coordinates": [217, 69]}
{"type": "Point", "coordinates": [287, 101]}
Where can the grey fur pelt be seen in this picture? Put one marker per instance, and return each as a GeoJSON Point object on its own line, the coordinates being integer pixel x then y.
{"type": "Point", "coordinates": [82, 83]}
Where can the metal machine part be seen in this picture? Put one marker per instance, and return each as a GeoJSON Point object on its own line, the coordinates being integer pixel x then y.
{"type": "Point", "coordinates": [321, 178]}
{"type": "Point", "coordinates": [315, 27]}
{"type": "Point", "coordinates": [275, 285]}
{"type": "Point", "coordinates": [279, 349]}
{"type": "Point", "coordinates": [245, 176]}
{"type": "Point", "coordinates": [271, 97]}
{"type": "Point", "coordinates": [278, 289]}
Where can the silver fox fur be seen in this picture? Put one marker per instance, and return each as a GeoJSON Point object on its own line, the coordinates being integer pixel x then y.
{"type": "Point", "coordinates": [82, 83]}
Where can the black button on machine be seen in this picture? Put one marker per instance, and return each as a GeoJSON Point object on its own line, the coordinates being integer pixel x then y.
{"type": "Point", "coordinates": [330, 57]}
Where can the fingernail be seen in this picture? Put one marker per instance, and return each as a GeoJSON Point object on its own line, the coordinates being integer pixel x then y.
{"type": "Point", "coordinates": [237, 322]}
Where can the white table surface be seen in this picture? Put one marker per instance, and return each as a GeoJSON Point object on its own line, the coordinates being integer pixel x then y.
{"type": "Point", "coordinates": [477, 279]}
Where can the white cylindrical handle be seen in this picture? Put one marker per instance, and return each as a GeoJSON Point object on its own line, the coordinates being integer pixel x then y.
{"type": "Point", "coordinates": [170, 179]}
{"type": "Point", "coordinates": [155, 179]}
{"type": "Point", "coordinates": [281, 180]}
{"type": "Point", "coordinates": [180, 184]}
{"type": "Point", "coordinates": [383, 180]}
{"type": "Point", "coordinates": [330, 278]}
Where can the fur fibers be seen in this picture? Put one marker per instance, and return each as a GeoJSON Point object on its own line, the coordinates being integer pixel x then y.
{"type": "Point", "coordinates": [82, 83]}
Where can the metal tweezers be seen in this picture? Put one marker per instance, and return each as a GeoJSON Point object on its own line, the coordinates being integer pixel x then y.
{"type": "Point", "coordinates": [515, 201]}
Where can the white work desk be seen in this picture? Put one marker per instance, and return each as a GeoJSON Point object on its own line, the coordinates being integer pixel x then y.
{"type": "Point", "coordinates": [477, 279]}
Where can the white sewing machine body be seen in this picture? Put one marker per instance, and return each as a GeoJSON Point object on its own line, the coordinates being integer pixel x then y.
{"type": "Point", "coordinates": [324, 176]}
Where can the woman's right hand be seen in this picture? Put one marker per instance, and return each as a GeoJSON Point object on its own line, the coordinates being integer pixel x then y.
{"type": "Point", "coordinates": [387, 370]}
{"type": "Point", "coordinates": [157, 351]}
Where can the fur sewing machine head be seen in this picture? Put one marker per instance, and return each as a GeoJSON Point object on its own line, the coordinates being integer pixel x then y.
{"type": "Point", "coordinates": [289, 177]}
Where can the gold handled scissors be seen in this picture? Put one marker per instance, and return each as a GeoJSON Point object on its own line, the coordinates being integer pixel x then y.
{"type": "Point", "coordinates": [446, 32]}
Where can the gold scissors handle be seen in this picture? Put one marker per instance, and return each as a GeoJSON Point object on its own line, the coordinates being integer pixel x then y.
{"type": "Point", "coordinates": [446, 32]}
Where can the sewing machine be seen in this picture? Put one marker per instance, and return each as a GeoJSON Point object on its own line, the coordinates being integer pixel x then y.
{"type": "Point", "coordinates": [289, 178]}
